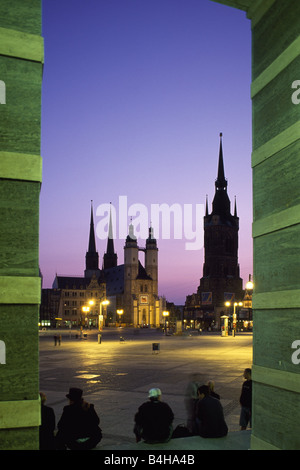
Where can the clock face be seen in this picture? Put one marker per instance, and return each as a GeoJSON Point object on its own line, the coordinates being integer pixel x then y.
{"type": "Point", "coordinates": [143, 299]}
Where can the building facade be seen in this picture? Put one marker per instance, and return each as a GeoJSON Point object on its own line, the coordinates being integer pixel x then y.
{"type": "Point", "coordinates": [126, 293]}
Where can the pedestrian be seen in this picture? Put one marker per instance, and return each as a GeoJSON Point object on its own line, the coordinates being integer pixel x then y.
{"type": "Point", "coordinates": [210, 415]}
{"type": "Point", "coordinates": [55, 340]}
{"type": "Point", "coordinates": [78, 427]}
{"type": "Point", "coordinates": [191, 400]}
{"type": "Point", "coordinates": [153, 421]}
{"type": "Point", "coordinates": [47, 426]}
{"type": "Point", "coordinates": [59, 339]}
{"type": "Point", "coordinates": [246, 400]}
{"type": "Point", "coordinates": [211, 386]}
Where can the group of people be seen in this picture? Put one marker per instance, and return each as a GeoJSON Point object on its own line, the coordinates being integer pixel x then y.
{"type": "Point", "coordinates": [79, 425]}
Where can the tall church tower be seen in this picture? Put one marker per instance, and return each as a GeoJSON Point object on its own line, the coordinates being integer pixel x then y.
{"type": "Point", "coordinates": [151, 259]}
{"type": "Point", "coordinates": [92, 256]}
{"type": "Point", "coordinates": [131, 269]}
{"type": "Point", "coordinates": [221, 277]}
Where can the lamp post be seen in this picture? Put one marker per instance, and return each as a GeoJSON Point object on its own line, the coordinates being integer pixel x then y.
{"type": "Point", "coordinates": [236, 304]}
{"type": "Point", "coordinates": [120, 313]}
{"type": "Point", "coordinates": [165, 314]}
{"type": "Point", "coordinates": [100, 320]}
{"type": "Point", "coordinates": [85, 310]}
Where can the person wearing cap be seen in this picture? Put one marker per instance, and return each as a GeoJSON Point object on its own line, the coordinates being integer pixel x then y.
{"type": "Point", "coordinates": [78, 427]}
{"type": "Point", "coordinates": [153, 421]}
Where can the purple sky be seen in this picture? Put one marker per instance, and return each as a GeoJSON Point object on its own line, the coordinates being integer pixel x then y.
{"type": "Point", "coordinates": [135, 94]}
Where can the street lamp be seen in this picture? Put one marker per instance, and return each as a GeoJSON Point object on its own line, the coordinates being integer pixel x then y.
{"type": "Point", "coordinates": [236, 304]}
{"type": "Point", "coordinates": [120, 313]}
{"type": "Point", "coordinates": [85, 310]}
{"type": "Point", "coordinates": [165, 314]}
{"type": "Point", "coordinates": [100, 320]}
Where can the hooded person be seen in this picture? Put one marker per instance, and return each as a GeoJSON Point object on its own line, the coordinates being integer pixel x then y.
{"type": "Point", "coordinates": [78, 427]}
{"type": "Point", "coordinates": [154, 419]}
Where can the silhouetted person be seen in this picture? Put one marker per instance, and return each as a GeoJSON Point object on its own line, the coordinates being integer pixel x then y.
{"type": "Point", "coordinates": [78, 427]}
{"type": "Point", "coordinates": [210, 415]}
{"type": "Point", "coordinates": [153, 421]}
{"type": "Point", "coordinates": [47, 427]}
{"type": "Point", "coordinates": [246, 401]}
{"type": "Point", "coordinates": [212, 393]}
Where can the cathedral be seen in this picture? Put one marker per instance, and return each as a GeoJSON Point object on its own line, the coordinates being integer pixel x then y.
{"type": "Point", "coordinates": [221, 280]}
{"type": "Point", "coordinates": [114, 294]}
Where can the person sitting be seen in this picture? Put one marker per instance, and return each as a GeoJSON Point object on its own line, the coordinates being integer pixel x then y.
{"type": "Point", "coordinates": [211, 386]}
{"type": "Point", "coordinates": [153, 421]}
{"type": "Point", "coordinates": [78, 427]}
{"type": "Point", "coordinates": [210, 415]}
{"type": "Point", "coordinates": [47, 427]}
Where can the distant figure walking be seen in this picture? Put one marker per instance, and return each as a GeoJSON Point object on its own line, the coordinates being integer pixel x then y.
{"type": "Point", "coordinates": [47, 427]}
{"type": "Point", "coordinates": [191, 400]}
{"type": "Point", "coordinates": [153, 421]}
{"type": "Point", "coordinates": [78, 427]}
{"type": "Point", "coordinates": [246, 401]}
{"type": "Point", "coordinates": [210, 415]}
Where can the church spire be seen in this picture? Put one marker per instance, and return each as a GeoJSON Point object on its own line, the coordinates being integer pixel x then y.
{"type": "Point", "coordinates": [92, 256]}
{"type": "Point", "coordinates": [110, 258]}
{"type": "Point", "coordinates": [221, 182]}
{"type": "Point", "coordinates": [221, 202]}
{"type": "Point", "coordinates": [92, 243]}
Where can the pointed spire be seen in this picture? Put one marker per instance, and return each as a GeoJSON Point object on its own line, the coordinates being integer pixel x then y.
{"type": "Point", "coordinates": [110, 258]}
{"type": "Point", "coordinates": [92, 243]}
{"type": "Point", "coordinates": [221, 182]}
{"type": "Point", "coordinates": [91, 257]}
{"type": "Point", "coordinates": [206, 206]}
{"type": "Point", "coordinates": [235, 209]}
{"type": "Point", "coordinates": [110, 240]}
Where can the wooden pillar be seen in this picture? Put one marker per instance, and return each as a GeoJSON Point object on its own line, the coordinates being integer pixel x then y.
{"type": "Point", "coordinates": [276, 216]}
{"type": "Point", "coordinates": [21, 58]}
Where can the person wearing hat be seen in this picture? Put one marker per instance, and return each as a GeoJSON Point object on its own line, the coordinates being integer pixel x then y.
{"type": "Point", "coordinates": [78, 427]}
{"type": "Point", "coordinates": [153, 421]}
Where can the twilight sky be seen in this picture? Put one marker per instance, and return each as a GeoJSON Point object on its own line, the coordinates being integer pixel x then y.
{"type": "Point", "coordinates": [135, 94]}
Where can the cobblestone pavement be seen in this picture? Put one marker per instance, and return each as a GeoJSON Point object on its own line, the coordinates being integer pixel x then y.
{"type": "Point", "coordinates": [116, 375]}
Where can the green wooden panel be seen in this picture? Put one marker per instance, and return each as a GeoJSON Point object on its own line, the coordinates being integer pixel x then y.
{"type": "Point", "coordinates": [20, 166]}
{"type": "Point", "coordinates": [21, 115]}
{"type": "Point", "coordinates": [276, 261]}
{"type": "Point", "coordinates": [273, 110]}
{"type": "Point", "coordinates": [21, 15]}
{"type": "Point", "coordinates": [19, 439]}
{"type": "Point", "coordinates": [267, 34]}
{"type": "Point", "coordinates": [22, 45]}
{"type": "Point", "coordinates": [19, 235]}
{"type": "Point", "coordinates": [270, 194]}
{"type": "Point", "coordinates": [19, 377]}
{"type": "Point", "coordinates": [274, 332]}
{"type": "Point", "coordinates": [278, 424]}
